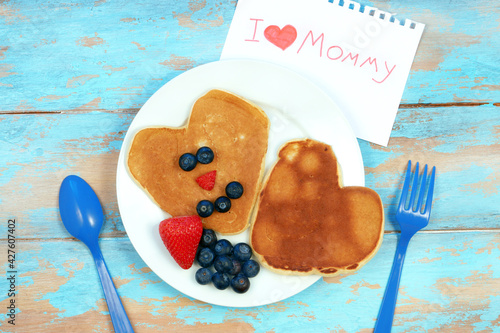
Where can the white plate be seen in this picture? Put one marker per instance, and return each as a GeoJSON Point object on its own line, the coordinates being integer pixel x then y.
{"type": "Point", "coordinates": [296, 108]}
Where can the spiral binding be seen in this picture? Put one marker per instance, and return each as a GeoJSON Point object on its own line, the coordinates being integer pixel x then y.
{"type": "Point", "coordinates": [375, 12]}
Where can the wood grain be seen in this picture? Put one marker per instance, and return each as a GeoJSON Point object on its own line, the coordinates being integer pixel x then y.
{"type": "Point", "coordinates": [449, 284]}
{"type": "Point", "coordinates": [74, 74]}
{"type": "Point", "coordinates": [52, 60]}
{"type": "Point", "coordinates": [43, 149]}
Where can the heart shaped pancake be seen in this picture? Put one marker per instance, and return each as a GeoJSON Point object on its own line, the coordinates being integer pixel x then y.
{"type": "Point", "coordinates": [306, 222]}
{"type": "Point", "coordinates": [236, 131]}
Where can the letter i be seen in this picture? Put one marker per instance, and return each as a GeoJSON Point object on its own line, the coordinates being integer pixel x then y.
{"type": "Point", "coordinates": [254, 30]}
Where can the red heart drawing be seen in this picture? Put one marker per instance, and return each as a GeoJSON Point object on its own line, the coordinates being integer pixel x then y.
{"type": "Point", "coordinates": [282, 38]}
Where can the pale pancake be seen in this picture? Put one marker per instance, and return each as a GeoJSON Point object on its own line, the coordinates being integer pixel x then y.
{"type": "Point", "coordinates": [306, 222]}
{"type": "Point", "coordinates": [235, 129]}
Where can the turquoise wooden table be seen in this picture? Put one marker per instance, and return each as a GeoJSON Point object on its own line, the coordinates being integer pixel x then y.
{"type": "Point", "coordinates": [74, 74]}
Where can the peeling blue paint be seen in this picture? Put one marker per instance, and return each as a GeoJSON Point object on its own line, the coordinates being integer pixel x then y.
{"type": "Point", "coordinates": [451, 280]}
{"type": "Point", "coordinates": [434, 279]}
{"type": "Point", "coordinates": [125, 65]}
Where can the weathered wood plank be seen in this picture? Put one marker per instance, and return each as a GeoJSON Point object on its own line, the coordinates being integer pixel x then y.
{"type": "Point", "coordinates": [113, 55]}
{"type": "Point", "coordinates": [464, 145]}
{"type": "Point", "coordinates": [69, 59]}
{"type": "Point", "coordinates": [450, 283]}
{"type": "Point", "coordinates": [103, 55]}
{"type": "Point", "coordinates": [38, 151]}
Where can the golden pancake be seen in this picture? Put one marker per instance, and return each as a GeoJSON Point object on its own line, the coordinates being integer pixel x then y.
{"type": "Point", "coordinates": [237, 132]}
{"type": "Point", "coordinates": [306, 222]}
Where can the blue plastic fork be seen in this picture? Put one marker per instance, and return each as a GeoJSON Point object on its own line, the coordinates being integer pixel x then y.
{"type": "Point", "coordinates": [410, 220]}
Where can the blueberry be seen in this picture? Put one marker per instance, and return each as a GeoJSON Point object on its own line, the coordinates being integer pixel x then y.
{"type": "Point", "coordinates": [220, 280]}
{"type": "Point", "coordinates": [240, 283]}
{"type": "Point", "coordinates": [234, 190]}
{"type": "Point", "coordinates": [236, 267]}
{"type": "Point", "coordinates": [250, 268]}
{"type": "Point", "coordinates": [187, 162]}
{"type": "Point", "coordinates": [205, 155]}
{"type": "Point", "coordinates": [222, 204]}
{"type": "Point", "coordinates": [223, 247]}
{"type": "Point", "coordinates": [242, 252]}
{"type": "Point", "coordinates": [223, 264]}
{"type": "Point", "coordinates": [208, 238]}
{"type": "Point", "coordinates": [205, 257]}
{"type": "Point", "coordinates": [205, 208]}
{"type": "Point", "coordinates": [203, 275]}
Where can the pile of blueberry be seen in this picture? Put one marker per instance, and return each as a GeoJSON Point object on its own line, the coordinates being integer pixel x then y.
{"type": "Point", "coordinates": [233, 265]}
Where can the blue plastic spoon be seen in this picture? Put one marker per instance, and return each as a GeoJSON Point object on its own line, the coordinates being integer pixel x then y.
{"type": "Point", "coordinates": [82, 215]}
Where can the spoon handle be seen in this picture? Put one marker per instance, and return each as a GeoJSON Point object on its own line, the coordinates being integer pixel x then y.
{"type": "Point", "coordinates": [118, 315]}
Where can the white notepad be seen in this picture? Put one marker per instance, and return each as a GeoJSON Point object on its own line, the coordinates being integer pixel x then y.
{"type": "Point", "coordinates": [360, 56]}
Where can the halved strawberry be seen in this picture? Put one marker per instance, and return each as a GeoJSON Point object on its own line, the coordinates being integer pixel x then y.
{"type": "Point", "coordinates": [181, 235]}
{"type": "Point", "coordinates": [207, 181]}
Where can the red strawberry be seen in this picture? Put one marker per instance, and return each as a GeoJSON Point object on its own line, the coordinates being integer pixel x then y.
{"type": "Point", "coordinates": [181, 236]}
{"type": "Point", "coordinates": [207, 181]}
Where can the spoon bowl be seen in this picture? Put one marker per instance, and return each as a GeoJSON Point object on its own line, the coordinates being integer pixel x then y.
{"type": "Point", "coordinates": [82, 215]}
{"type": "Point", "coordinates": [80, 209]}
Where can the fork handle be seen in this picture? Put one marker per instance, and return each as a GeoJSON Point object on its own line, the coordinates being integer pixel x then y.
{"type": "Point", "coordinates": [386, 313]}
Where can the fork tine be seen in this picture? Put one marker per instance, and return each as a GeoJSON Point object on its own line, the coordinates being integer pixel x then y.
{"type": "Point", "coordinates": [423, 182]}
{"type": "Point", "coordinates": [428, 202]}
{"type": "Point", "coordinates": [414, 188]}
{"type": "Point", "coordinates": [404, 193]}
